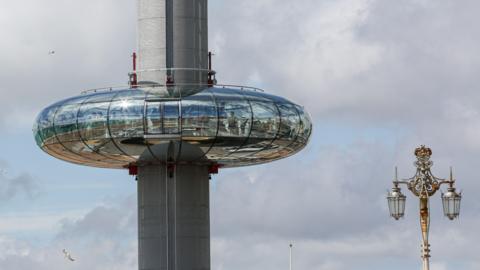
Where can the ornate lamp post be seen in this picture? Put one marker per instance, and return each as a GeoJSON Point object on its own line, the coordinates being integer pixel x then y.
{"type": "Point", "coordinates": [424, 185]}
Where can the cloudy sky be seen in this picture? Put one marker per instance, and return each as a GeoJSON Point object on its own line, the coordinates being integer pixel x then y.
{"type": "Point", "coordinates": [378, 77]}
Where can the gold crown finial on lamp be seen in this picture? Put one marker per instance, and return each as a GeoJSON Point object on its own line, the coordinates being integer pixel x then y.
{"type": "Point", "coordinates": [423, 152]}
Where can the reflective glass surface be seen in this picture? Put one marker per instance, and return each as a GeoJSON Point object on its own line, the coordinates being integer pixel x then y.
{"type": "Point", "coordinates": [66, 121]}
{"type": "Point", "coordinates": [93, 127]}
{"type": "Point", "coordinates": [45, 125]}
{"type": "Point", "coordinates": [126, 115]}
{"type": "Point", "coordinates": [229, 126]}
{"type": "Point", "coordinates": [171, 117]}
{"type": "Point", "coordinates": [126, 122]}
{"type": "Point", "coordinates": [266, 118]}
{"type": "Point", "coordinates": [234, 123]}
{"type": "Point", "coordinates": [154, 117]}
{"type": "Point", "coordinates": [199, 116]}
{"type": "Point", "coordinates": [304, 128]}
{"type": "Point", "coordinates": [199, 124]}
{"type": "Point", "coordinates": [67, 132]}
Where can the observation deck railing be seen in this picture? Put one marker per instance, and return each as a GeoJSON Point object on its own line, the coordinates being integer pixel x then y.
{"type": "Point", "coordinates": [140, 86]}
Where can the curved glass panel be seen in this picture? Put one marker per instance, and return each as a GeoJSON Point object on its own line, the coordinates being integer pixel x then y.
{"type": "Point", "coordinates": [92, 124]}
{"type": "Point", "coordinates": [171, 117]}
{"type": "Point", "coordinates": [199, 124]}
{"type": "Point", "coordinates": [282, 146]}
{"type": "Point", "coordinates": [289, 125]}
{"type": "Point", "coordinates": [45, 125]}
{"type": "Point", "coordinates": [307, 125]}
{"type": "Point", "coordinates": [66, 121]}
{"type": "Point", "coordinates": [67, 132]}
{"type": "Point", "coordinates": [50, 143]}
{"type": "Point", "coordinates": [266, 118]}
{"type": "Point", "coordinates": [126, 117]}
{"type": "Point", "coordinates": [153, 118]}
{"type": "Point", "coordinates": [126, 122]}
{"type": "Point", "coordinates": [163, 117]}
{"type": "Point", "coordinates": [304, 128]}
{"type": "Point", "coordinates": [162, 124]}
{"type": "Point", "coordinates": [36, 132]}
{"type": "Point", "coordinates": [199, 116]}
{"type": "Point", "coordinates": [235, 121]}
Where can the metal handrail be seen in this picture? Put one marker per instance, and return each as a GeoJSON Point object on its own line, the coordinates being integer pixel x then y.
{"type": "Point", "coordinates": [123, 87]}
{"type": "Point", "coordinates": [173, 69]}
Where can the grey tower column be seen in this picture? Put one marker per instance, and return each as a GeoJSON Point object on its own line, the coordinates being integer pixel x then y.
{"type": "Point", "coordinates": [173, 41]}
{"type": "Point", "coordinates": [173, 218]}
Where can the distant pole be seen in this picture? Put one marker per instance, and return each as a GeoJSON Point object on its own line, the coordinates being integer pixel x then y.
{"type": "Point", "coordinates": [291, 246]}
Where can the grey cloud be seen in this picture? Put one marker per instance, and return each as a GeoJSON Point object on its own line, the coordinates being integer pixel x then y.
{"type": "Point", "coordinates": [112, 222]}
{"type": "Point", "coordinates": [103, 238]}
{"type": "Point", "coordinates": [365, 61]}
{"type": "Point", "coordinates": [333, 207]}
{"type": "Point", "coordinates": [313, 199]}
{"type": "Point", "coordinates": [12, 186]}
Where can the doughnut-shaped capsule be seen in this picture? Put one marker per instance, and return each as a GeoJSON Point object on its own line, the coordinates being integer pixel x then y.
{"type": "Point", "coordinates": [226, 126]}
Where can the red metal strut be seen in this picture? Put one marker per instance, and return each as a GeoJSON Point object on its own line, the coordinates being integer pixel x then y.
{"type": "Point", "coordinates": [133, 75]}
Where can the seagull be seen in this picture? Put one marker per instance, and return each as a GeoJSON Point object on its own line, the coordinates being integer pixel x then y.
{"type": "Point", "coordinates": [68, 255]}
{"type": "Point", "coordinates": [51, 52]}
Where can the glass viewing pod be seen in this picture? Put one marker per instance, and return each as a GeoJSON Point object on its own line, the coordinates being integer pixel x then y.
{"type": "Point", "coordinates": [225, 125]}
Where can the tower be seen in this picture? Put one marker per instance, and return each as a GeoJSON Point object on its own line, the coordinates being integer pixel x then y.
{"type": "Point", "coordinates": [174, 127]}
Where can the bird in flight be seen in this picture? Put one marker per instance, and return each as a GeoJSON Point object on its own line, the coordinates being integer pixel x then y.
{"type": "Point", "coordinates": [68, 256]}
{"type": "Point", "coordinates": [51, 52]}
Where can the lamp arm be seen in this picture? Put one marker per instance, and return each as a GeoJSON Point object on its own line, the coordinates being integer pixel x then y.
{"type": "Point", "coordinates": [446, 182]}
{"type": "Point", "coordinates": [450, 181]}
{"type": "Point", "coordinates": [401, 182]}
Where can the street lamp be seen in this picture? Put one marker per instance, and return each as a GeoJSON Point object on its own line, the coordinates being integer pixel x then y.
{"type": "Point", "coordinates": [424, 185]}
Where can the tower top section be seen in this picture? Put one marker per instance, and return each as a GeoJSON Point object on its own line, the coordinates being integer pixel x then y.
{"type": "Point", "coordinates": [173, 44]}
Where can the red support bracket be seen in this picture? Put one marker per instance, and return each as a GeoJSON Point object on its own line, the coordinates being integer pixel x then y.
{"type": "Point", "coordinates": [133, 75]}
{"type": "Point", "coordinates": [132, 170]}
{"type": "Point", "coordinates": [213, 169]}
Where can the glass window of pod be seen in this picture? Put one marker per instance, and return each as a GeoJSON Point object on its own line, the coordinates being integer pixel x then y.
{"type": "Point", "coordinates": [45, 125]}
{"type": "Point", "coordinates": [199, 116]}
{"type": "Point", "coordinates": [235, 113]}
{"type": "Point", "coordinates": [126, 114]}
{"type": "Point", "coordinates": [66, 120]}
{"type": "Point", "coordinates": [265, 125]}
{"type": "Point", "coordinates": [305, 126]}
{"type": "Point", "coordinates": [93, 126]}
{"type": "Point", "coordinates": [126, 122]}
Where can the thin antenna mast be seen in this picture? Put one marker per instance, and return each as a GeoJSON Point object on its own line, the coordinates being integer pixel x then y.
{"type": "Point", "coordinates": [291, 246]}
